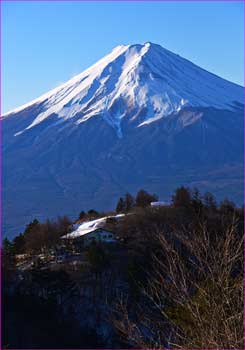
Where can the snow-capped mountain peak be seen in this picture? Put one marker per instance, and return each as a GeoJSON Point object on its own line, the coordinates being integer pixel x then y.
{"type": "Point", "coordinates": [131, 81]}
{"type": "Point", "coordinates": [141, 117]}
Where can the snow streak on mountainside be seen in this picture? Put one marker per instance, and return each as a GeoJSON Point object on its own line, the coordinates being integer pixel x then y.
{"type": "Point", "coordinates": [142, 83]}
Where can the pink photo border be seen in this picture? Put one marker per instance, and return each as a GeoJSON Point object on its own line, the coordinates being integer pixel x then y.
{"type": "Point", "coordinates": [138, 1]}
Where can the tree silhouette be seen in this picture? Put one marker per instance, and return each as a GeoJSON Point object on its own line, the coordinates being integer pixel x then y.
{"type": "Point", "coordinates": [144, 199]}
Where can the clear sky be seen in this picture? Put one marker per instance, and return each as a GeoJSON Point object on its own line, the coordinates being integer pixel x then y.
{"type": "Point", "coordinates": [47, 43]}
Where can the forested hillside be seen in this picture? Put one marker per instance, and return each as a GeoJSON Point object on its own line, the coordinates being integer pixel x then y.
{"type": "Point", "coordinates": [173, 278]}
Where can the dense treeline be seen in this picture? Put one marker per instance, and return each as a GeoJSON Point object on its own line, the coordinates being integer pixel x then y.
{"type": "Point", "coordinates": [186, 273]}
{"type": "Point", "coordinates": [47, 235]}
{"type": "Point", "coordinates": [142, 199]}
{"type": "Point", "coordinates": [182, 271]}
{"type": "Point", "coordinates": [38, 235]}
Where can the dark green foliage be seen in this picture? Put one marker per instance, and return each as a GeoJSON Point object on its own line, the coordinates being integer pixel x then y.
{"type": "Point", "coordinates": [196, 201]}
{"type": "Point", "coordinates": [120, 206]}
{"type": "Point", "coordinates": [31, 226]}
{"type": "Point", "coordinates": [194, 266]}
{"type": "Point", "coordinates": [135, 276]}
{"type": "Point", "coordinates": [8, 260]}
{"type": "Point", "coordinates": [125, 204]}
{"type": "Point", "coordinates": [7, 246]}
{"type": "Point", "coordinates": [32, 322]}
{"type": "Point", "coordinates": [227, 207]}
{"type": "Point", "coordinates": [52, 284]}
{"type": "Point", "coordinates": [182, 197]}
{"type": "Point", "coordinates": [144, 199]}
{"type": "Point", "coordinates": [82, 215]}
{"type": "Point", "coordinates": [19, 244]}
{"type": "Point", "coordinates": [210, 201]}
{"type": "Point", "coordinates": [31, 236]}
{"type": "Point", "coordinates": [93, 213]}
{"type": "Point", "coordinates": [133, 259]}
{"type": "Point", "coordinates": [41, 236]}
{"type": "Point", "coordinates": [97, 257]}
{"type": "Point", "coordinates": [187, 207]}
{"type": "Point", "coordinates": [129, 202]}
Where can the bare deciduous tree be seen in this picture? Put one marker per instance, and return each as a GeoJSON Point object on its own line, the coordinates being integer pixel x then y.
{"type": "Point", "coordinates": [194, 294]}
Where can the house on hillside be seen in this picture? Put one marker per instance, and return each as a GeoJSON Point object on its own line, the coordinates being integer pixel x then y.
{"type": "Point", "coordinates": [98, 235]}
{"type": "Point", "coordinates": [85, 233]}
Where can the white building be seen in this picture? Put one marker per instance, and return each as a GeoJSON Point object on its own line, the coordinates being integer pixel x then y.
{"type": "Point", "coordinates": [99, 235]}
{"type": "Point", "coordinates": [91, 231]}
{"type": "Point", "coordinates": [159, 204]}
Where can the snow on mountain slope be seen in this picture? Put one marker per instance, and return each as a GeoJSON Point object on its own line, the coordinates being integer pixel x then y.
{"type": "Point", "coordinates": [130, 82]}
{"type": "Point", "coordinates": [141, 117]}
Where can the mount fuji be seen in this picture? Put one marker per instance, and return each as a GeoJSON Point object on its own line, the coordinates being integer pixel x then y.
{"type": "Point", "coordinates": [141, 117]}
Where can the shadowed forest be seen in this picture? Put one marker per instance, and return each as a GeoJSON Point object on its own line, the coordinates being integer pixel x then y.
{"type": "Point", "coordinates": [172, 279]}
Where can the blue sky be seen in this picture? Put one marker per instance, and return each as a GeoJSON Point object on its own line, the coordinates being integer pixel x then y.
{"type": "Point", "coordinates": [46, 43]}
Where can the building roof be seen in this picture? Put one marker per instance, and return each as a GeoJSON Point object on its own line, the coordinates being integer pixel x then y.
{"type": "Point", "coordinates": [89, 226]}
{"type": "Point", "coordinates": [85, 233]}
{"type": "Point", "coordinates": [159, 203]}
